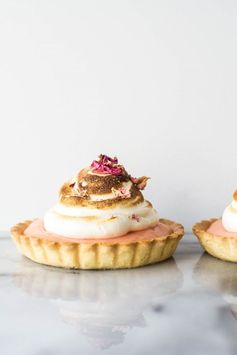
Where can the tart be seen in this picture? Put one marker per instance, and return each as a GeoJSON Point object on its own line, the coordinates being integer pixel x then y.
{"type": "Point", "coordinates": [218, 236]}
{"type": "Point", "coordinates": [100, 222]}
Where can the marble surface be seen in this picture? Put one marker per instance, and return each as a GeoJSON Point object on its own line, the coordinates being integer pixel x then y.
{"type": "Point", "coordinates": [186, 305]}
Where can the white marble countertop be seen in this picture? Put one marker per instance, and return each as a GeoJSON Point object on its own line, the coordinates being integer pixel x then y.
{"type": "Point", "coordinates": [186, 305]}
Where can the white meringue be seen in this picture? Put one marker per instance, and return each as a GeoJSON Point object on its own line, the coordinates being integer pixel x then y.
{"type": "Point", "coordinates": [229, 217]}
{"type": "Point", "coordinates": [87, 223]}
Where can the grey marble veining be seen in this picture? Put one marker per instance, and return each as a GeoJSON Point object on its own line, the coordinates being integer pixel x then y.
{"type": "Point", "coordinates": [185, 305]}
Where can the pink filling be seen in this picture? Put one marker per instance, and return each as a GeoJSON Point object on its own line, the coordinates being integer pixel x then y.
{"type": "Point", "coordinates": [218, 229]}
{"type": "Point", "coordinates": [36, 229]}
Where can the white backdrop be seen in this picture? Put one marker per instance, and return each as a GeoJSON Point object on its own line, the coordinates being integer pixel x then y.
{"type": "Point", "coordinates": [153, 82]}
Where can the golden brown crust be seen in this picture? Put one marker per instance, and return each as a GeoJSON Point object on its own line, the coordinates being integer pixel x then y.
{"type": "Point", "coordinates": [99, 255]}
{"type": "Point", "coordinates": [222, 247]}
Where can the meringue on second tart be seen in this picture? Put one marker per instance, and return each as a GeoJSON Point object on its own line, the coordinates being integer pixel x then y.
{"type": "Point", "coordinates": [219, 236]}
{"type": "Point", "coordinates": [100, 222]}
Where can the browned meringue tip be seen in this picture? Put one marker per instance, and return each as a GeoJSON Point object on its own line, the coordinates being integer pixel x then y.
{"type": "Point", "coordinates": [97, 255]}
{"type": "Point", "coordinates": [235, 195]}
{"type": "Point", "coordinates": [102, 185]}
{"type": "Point", "coordinates": [221, 247]}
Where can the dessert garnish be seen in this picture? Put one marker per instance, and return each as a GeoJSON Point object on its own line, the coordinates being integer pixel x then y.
{"type": "Point", "coordinates": [121, 192]}
{"type": "Point", "coordinates": [136, 217]}
{"type": "Point", "coordinates": [106, 165]}
{"type": "Point", "coordinates": [140, 182]}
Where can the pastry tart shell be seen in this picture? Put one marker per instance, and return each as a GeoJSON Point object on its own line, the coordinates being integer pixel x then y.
{"type": "Point", "coordinates": [222, 247]}
{"type": "Point", "coordinates": [97, 255]}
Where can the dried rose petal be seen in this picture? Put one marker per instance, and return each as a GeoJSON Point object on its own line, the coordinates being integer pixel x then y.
{"type": "Point", "coordinates": [133, 179]}
{"type": "Point", "coordinates": [122, 192]}
{"type": "Point", "coordinates": [136, 217]}
{"type": "Point", "coordinates": [140, 182]}
{"type": "Point", "coordinates": [107, 165]}
{"type": "Point", "coordinates": [125, 193]}
{"type": "Point", "coordinates": [105, 159]}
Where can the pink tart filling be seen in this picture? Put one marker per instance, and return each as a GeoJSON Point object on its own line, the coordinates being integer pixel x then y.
{"type": "Point", "coordinates": [218, 229]}
{"type": "Point", "coordinates": [36, 229]}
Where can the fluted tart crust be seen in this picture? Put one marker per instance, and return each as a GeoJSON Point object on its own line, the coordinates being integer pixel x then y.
{"type": "Point", "coordinates": [220, 246]}
{"type": "Point", "coordinates": [97, 255]}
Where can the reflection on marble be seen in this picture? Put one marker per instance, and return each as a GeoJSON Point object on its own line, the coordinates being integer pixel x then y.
{"type": "Point", "coordinates": [219, 276]}
{"type": "Point", "coordinates": [103, 305]}
{"type": "Point", "coordinates": [180, 306]}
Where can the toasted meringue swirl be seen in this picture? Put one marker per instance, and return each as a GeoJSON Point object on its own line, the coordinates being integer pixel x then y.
{"type": "Point", "coordinates": [99, 205]}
